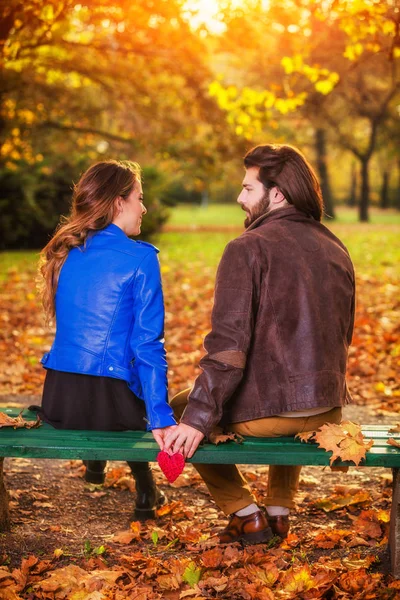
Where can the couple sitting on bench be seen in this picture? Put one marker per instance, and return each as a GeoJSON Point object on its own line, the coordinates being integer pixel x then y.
{"type": "Point", "coordinates": [276, 355]}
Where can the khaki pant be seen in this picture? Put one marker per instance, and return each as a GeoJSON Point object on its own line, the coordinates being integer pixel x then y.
{"type": "Point", "coordinates": [225, 482]}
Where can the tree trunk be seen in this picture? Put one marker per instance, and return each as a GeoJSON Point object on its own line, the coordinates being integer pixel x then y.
{"type": "Point", "coordinates": [4, 514]}
{"type": "Point", "coordinates": [204, 199]}
{"type": "Point", "coordinates": [364, 199]}
{"type": "Point", "coordinates": [385, 190]}
{"type": "Point", "coordinates": [322, 167]}
{"type": "Point", "coordinates": [352, 201]}
{"type": "Point", "coordinates": [398, 185]}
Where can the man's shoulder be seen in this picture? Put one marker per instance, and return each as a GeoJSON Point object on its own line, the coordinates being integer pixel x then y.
{"type": "Point", "coordinates": [243, 249]}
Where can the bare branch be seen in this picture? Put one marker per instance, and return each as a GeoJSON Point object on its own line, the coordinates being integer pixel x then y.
{"type": "Point", "coordinates": [104, 134]}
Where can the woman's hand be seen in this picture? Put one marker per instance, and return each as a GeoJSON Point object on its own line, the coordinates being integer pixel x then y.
{"type": "Point", "coordinates": [184, 439]}
{"type": "Point", "coordinates": [159, 434]}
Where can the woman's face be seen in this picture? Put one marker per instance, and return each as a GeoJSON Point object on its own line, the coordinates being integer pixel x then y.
{"type": "Point", "coordinates": [131, 210]}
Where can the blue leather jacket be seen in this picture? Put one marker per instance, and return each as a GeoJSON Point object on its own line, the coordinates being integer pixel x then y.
{"type": "Point", "coordinates": [110, 318]}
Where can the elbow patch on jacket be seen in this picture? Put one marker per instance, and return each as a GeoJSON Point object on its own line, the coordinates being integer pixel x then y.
{"type": "Point", "coordinates": [234, 358]}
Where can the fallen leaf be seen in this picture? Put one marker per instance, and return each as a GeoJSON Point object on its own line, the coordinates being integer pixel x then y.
{"type": "Point", "coordinates": [192, 574]}
{"type": "Point", "coordinates": [395, 429]}
{"type": "Point", "coordinates": [124, 537]}
{"type": "Point", "coordinates": [220, 438]}
{"type": "Point", "coordinates": [290, 542]}
{"type": "Point", "coordinates": [345, 441]}
{"type": "Point", "coordinates": [212, 558]}
{"type": "Point", "coordinates": [393, 442]}
{"type": "Point", "coordinates": [306, 436]}
{"type": "Point", "coordinates": [17, 422]}
{"type": "Point", "coordinates": [136, 528]}
{"type": "Point", "coordinates": [298, 581]}
{"type": "Point", "coordinates": [330, 538]}
{"type": "Point", "coordinates": [268, 574]}
{"type": "Point", "coordinates": [358, 581]}
{"type": "Point", "coordinates": [357, 541]}
{"type": "Point", "coordinates": [334, 502]}
{"type": "Point", "coordinates": [219, 584]}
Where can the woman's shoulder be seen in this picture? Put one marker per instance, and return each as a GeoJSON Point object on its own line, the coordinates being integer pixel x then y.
{"type": "Point", "coordinates": [120, 243]}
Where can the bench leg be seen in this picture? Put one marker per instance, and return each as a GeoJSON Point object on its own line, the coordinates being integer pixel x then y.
{"type": "Point", "coordinates": [4, 514]}
{"type": "Point", "coordinates": [394, 533]}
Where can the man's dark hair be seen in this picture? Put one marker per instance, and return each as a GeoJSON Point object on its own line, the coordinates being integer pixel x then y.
{"type": "Point", "coordinates": [286, 168]}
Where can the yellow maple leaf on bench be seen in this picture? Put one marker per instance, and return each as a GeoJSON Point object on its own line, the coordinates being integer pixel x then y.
{"type": "Point", "coordinates": [345, 441]}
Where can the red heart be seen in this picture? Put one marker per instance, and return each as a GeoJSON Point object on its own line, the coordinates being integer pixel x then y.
{"type": "Point", "coordinates": [171, 466]}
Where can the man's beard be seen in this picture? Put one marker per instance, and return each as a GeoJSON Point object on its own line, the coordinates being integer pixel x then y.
{"type": "Point", "coordinates": [261, 208]}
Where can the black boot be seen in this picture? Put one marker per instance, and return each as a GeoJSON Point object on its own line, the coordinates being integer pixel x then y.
{"type": "Point", "coordinates": [95, 471]}
{"type": "Point", "coordinates": [148, 496]}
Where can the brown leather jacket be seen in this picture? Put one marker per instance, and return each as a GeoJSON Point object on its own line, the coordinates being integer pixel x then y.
{"type": "Point", "coordinates": [282, 323]}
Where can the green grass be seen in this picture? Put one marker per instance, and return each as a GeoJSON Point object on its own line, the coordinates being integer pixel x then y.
{"type": "Point", "coordinates": [231, 215]}
{"type": "Point", "coordinates": [374, 247]}
{"type": "Point", "coordinates": [18, 260]}
{"type": "Point", "coordinates": [213, 215]}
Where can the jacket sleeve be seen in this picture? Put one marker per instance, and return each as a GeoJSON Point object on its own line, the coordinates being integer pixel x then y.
{"type": "Point", "coordinates": [228, 342]}
{"type": "Point", "coordinates": [147, 343]}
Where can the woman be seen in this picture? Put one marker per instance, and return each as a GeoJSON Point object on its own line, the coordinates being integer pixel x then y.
{"type": "Point", "coordinates": [106, 369]}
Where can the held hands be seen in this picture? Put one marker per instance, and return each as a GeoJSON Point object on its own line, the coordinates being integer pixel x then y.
{"type": "Point", "coordinates": [159, 435]}
{"type": "Point", "coordinates": [182, 438]}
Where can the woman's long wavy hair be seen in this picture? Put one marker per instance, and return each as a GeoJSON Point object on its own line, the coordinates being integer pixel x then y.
{"type": "Point", "coordinates": [285, 166]}
{"type": "Point", "coordinates": [93, 208]}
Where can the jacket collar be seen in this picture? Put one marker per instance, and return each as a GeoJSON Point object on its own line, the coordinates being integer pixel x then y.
{"type": "Point", "coordinates": [289, 212]}
{"type": "Point", "coordinates": [115, 230]}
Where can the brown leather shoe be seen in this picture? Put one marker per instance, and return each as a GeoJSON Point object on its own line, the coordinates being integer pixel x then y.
{"type": "Point", "coordinates": [279, 525]}
{"type": "Point", "coordinates": [252, 529]}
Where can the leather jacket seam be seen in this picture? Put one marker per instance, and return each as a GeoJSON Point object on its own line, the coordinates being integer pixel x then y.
{"type": "Point", "coordinates": [114, 317]}
{"type": "Point", "coordinates": [223, 354]}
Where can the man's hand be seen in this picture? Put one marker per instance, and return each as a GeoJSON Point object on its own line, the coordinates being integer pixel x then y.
{"type": "Point", "coordinates": [159, 435]}
{"type": "Point", "coordinates": [183, 439]}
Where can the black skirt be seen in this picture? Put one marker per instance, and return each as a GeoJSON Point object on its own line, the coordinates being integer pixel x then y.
{"type": "Point", "coordinates": [76, 401]}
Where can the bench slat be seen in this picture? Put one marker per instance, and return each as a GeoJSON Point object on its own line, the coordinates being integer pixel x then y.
{"type": "Point", "coordinates": [47, 442]}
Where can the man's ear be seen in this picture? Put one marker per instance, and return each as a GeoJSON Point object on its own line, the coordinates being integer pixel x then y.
{"type": "Point", "coordinates": [276, 197]}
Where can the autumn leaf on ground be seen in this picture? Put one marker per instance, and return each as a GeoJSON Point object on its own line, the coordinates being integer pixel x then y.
{"type": "Point", "coordinates": [136, 528]}
{"type": "Point", "coordinates": [359, 580]}
{"type": "Point", "coordinates": [395, 429]}
{"type": "Point", "coordinates": [192, 574]}
{"type": "Point", "coordinates": [211, 559]}
{"type": "Point", "coordinates": [330, 538]}
{"type": "Point", "coordinates": [218, 584]}
{"type": "Point", "coordinates": [298, 581]}
{"type": "Point", "coordinates": [290, 542]}
{"type": "Point", "coordinates": [268, 574]}
{"type": "Point", "coordinates": [67, 580]}
{"type": "Point", "coordinates": [123, 537]}
{"type": "Point", "coordinates": [17, 422]}
{"type": "Point", "coordinates": [220, 438]}
{"type": "Point", "coordinates": [339, 501]}
{"type": "Point", "coordinates": [345, 441]}
{"type": "Point", "coordinates": [306, 436]}
{"type": "Point", "coordinates": [354, 561]}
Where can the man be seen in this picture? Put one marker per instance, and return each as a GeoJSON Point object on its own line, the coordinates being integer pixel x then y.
{"type": "Point", "coordinates": [282, 323]}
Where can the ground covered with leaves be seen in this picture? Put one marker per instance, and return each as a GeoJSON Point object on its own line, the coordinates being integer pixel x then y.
{"type": "Point", "coordinates": [70, 540]}
{"type": "Point", "coordinates": [74, 540]}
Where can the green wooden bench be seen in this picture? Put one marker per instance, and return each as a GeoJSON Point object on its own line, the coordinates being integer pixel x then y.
{"type": "Point", "coordinates": [47, 442]}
